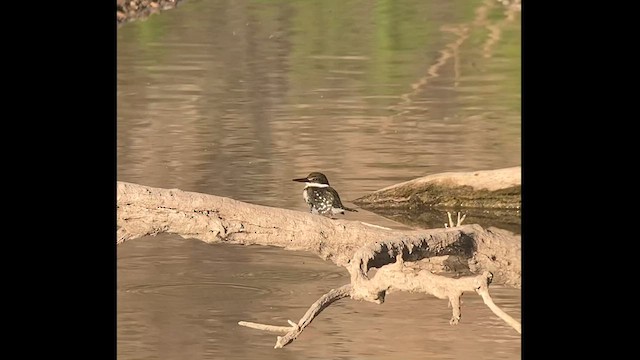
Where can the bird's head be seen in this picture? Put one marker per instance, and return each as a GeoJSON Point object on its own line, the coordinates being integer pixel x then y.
{"type": "Point", "coordinates": [314, 178]}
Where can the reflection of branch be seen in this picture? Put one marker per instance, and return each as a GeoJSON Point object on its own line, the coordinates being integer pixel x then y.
{"type": "Point", "coordinates": [433, 71]}
{"type": "Point", "coordinates": [495, 30]}
{"type": "Point", "coordinates": [450, 50]}
{"type": "Point", "coordinates": [494, 35]}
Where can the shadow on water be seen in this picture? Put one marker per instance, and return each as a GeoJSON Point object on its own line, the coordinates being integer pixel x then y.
{"type": "Point", "coordinates": [236, 98]}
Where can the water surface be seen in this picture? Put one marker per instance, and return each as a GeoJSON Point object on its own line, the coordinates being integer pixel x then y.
{"type": "Point", "coordinates": [236, 98]}
{"type": "Point", "coordinates": [182, 299]}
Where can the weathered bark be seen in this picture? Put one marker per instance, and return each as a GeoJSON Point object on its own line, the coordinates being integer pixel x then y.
{"type": "Point", "coordinates": [411, 257]}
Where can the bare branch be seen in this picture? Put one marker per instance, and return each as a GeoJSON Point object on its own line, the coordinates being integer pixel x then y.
{"type": "Point", "coordinates": [395, 276]}
{"type": "Point", "coordinates": [458, 223]}
{"type": "Point", "coordinates": [294, 330]}
{"type": "Point", "coordinates": [484, 293]}
{"type": "Point", "coordinates": [272, 328]}
{"type": "Point", "coordinates": [460, 220]}
{"type": "Point", "coordinates": [399, 277]}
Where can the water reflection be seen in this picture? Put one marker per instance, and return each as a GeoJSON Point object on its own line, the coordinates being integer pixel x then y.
{"type": "Point", "coordinates": [434, 218]}
{"type": "Point", "coordinates": [235, 98]}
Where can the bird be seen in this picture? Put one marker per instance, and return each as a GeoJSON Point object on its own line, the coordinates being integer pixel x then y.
{"type": "Point", "coordinates": [321, 198]}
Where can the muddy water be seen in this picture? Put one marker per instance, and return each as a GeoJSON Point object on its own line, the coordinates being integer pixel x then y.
{"type": "Point", "coordinates": [235, 98]}
{"type": "Point", "coordinates": [182, 299]}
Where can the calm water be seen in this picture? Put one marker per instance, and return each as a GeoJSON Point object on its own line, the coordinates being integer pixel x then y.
{"type": "Point", "coordinates": [182, 299]}
{"type": "Point", "coordinates": [235, 98]}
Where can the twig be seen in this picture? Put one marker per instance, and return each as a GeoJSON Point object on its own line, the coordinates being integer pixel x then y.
{"type": "Point", "coordinates": [272, 328]}
{"type": "Point", "coordinates": [484, 293]}
{"type": "Point", "coordinates": [459, 219]}
{"type": "Point", "coordinates": [294, 330]}
{"type": "Point", "coordinates": [458, 223]}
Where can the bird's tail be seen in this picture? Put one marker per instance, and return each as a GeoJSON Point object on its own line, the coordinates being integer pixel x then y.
{"type": "Point", "coordinates": [349, 209]}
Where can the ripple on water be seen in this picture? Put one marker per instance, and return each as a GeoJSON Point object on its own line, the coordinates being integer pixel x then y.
{"type": "Point", "coordinates": [181, 288]}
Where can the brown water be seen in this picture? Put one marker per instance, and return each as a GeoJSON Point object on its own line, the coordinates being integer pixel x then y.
{"type": "Point", "coordinates": [182, 299]}
{"type": "Point", "coordinates": [235, 98]}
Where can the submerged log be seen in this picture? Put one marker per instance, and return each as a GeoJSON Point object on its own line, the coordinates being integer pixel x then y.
{"type": "Point", "coordinates": [490, 189]}
{"type": "Point", "coordinates": [443, 262]}
{"type": "Point", "coordinates": [488, 198]}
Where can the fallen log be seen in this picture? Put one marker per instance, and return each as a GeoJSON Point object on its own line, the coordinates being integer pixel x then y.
{"type": "Point", "coordinates": [443, 262]}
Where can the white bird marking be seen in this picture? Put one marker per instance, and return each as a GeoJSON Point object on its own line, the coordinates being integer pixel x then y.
{"type": "Point", "coordinates": [315, 185]}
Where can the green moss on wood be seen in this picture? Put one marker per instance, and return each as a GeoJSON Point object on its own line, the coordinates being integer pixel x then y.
{"type": "Point", "coordinates": [441, 196]}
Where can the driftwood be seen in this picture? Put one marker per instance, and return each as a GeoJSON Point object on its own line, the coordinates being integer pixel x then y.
{"type": "Point", "coordinates": [295, 329]}
{"type": "Point", "coordinates": [429, 261]}
{"type": "Point", "coordinates": [488, 189]}
{"type": "Point", "coordinates": [487, 197]}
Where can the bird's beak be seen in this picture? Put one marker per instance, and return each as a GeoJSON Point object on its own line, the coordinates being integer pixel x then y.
{"type": "Point", "coordinates": [301, 180]}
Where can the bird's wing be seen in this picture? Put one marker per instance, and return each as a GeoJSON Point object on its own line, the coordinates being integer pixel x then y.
{"type": "Point", "coordinates": [321, 199]}
{"type": "Point", "coordinates": [336, 200]}
{"type": "Point", "coordinates": [334, 197]}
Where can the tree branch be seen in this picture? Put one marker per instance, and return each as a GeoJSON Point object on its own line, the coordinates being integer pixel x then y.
{"type": "Point", "coordinates": [391, 277]}
{"type": "Point", "coordinates": [406, 260]}
{"type": "Point", "coordinates": [294, 330]}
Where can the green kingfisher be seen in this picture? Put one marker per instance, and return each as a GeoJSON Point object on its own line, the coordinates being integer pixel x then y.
{"type": "Point", "coordinates": [321, 197]}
